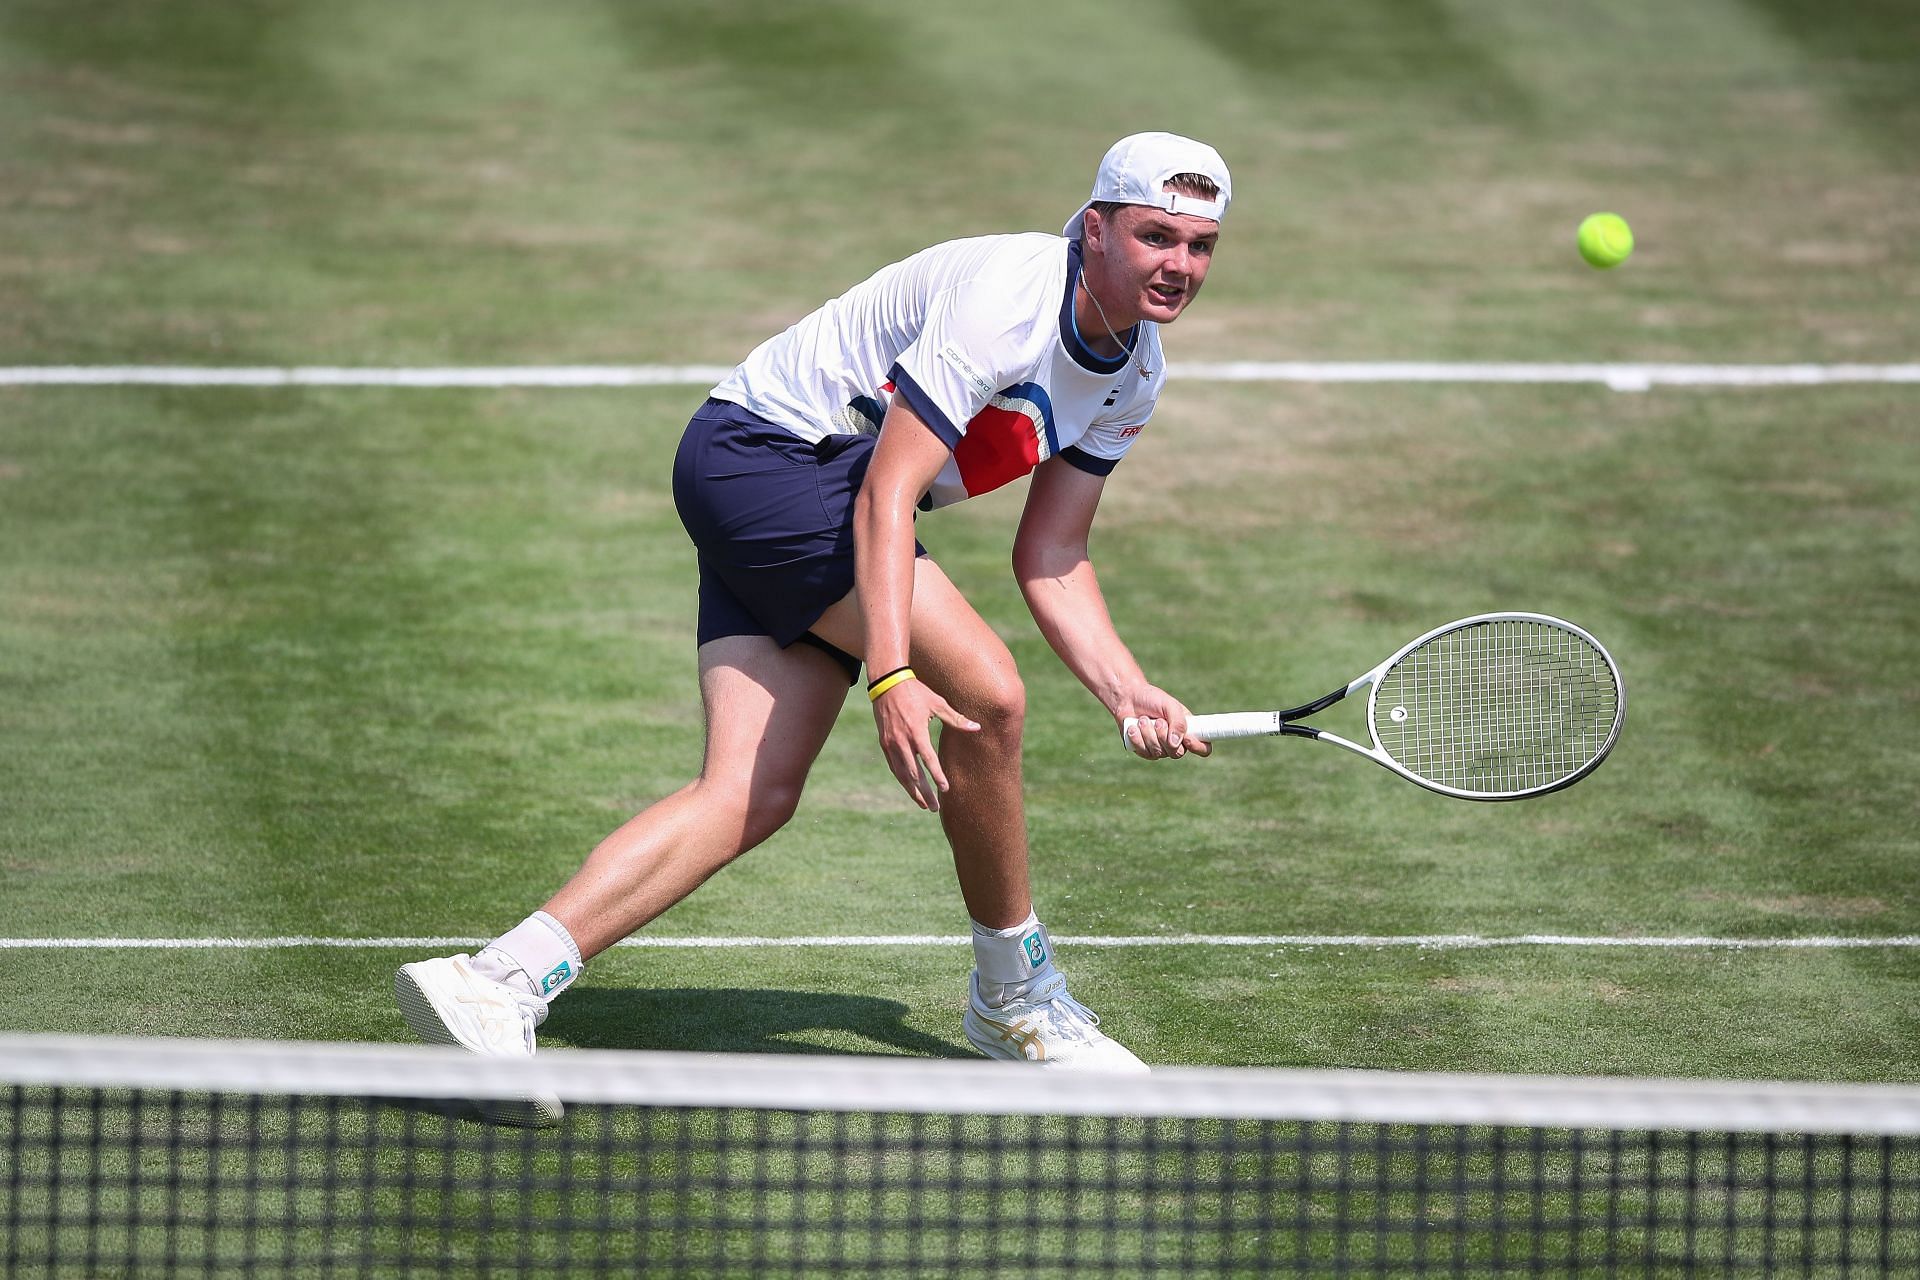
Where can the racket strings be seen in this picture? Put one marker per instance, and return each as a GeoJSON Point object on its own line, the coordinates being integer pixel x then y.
{"type": "Point", "coordinates": [1500, 706]}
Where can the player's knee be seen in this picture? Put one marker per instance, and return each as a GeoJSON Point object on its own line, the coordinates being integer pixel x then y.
{"type": "Point", "coordinates": [1000, 705]}
{"type": "Point", "coordinates": [769, 806]}
{"type": "Point", "coordinates": [756, 807]}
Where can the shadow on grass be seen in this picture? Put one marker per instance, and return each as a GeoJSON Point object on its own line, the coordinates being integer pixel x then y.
{"type": "Point", "coordinates": [738, 1021]}
{"type": "Point", "coordinates": [712, 1020]}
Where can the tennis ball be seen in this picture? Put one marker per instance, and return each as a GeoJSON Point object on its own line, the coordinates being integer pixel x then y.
{"type": "Point", "coordinates": [1605, 240]}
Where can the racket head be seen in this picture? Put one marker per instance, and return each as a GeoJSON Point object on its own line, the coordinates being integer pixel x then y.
{"type": "Point", "coordinates": [1499, 706]}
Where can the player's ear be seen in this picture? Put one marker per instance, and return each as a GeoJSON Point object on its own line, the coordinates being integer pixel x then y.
{"type": "Point", "coordinates": [1093, 231]}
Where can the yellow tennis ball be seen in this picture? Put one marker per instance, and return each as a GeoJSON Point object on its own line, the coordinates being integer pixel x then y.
{"type": "Point", "coordinates": [1605, 240]}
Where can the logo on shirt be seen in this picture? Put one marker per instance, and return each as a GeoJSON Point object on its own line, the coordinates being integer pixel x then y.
{"type": "Point", "coordinates": [966, 369]}
{"type": "Point", "coordinates": [1128, 433]}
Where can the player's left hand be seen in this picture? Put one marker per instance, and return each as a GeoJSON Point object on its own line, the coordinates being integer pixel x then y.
{"type": "Point", "coordinates": [902, 715]}
{"type": "Point", "coordinates": [1159, 731]}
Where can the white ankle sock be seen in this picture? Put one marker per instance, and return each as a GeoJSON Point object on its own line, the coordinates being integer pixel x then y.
{"type": "Point", "coordinates": [1011, 962]}
{"type": "Point", "coordinates": [537, 956]}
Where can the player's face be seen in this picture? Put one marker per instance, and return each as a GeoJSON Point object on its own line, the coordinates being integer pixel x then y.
{"type": "Point", "coordinates": [1156, 261]}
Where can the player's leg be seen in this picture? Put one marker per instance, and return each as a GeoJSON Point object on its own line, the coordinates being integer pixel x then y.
{"type": "Point", "coordinates": [768, 712]}
{"type": "Point", "coordinates": [955, 651]}
{"type": "Point", "coordinates": [1018, 1006]}
{"type": "Point", "coordinates": [752, 498]}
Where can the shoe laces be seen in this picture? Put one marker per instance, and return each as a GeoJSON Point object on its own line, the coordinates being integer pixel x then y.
{"type": "Point", "coordinates": [1065, 1017]}
{"type": "Point", "coordinates": [505, 1019]}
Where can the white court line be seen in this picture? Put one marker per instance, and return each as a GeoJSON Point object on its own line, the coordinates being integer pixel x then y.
{"type": "Point", "coordinates": [1431, 942]}
{"type": "Point", "coordinates": [1619, 377]}
{"type": "Point", "coordinates": [318, 376]}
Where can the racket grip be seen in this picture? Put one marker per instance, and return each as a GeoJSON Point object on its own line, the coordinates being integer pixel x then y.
{"type": "Point", "coordinates": [1231, 724]}
{"type": "Point", "coordinates": [1235, 724]}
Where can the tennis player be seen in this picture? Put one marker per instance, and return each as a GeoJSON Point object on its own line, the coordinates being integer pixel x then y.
{"type": "Point", "coordinates": [949, 374]}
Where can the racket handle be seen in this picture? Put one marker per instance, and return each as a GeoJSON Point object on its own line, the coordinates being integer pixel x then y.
{"type": "Point", "coordinates": [1235, 724]}
{"type": "Point", "coordinates": [1231, 724]}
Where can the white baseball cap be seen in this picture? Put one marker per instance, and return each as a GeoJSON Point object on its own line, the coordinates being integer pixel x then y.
{"type": "Point", "coordinates": [1135, 171]}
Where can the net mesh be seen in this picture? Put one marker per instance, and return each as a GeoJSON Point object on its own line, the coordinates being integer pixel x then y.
{"type": "Point", "coordinates": [1499, 707]}
{"type": "Point", "coordinates": [132, 1181]}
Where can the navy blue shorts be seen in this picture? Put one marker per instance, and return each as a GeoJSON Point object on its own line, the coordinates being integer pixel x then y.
{"type": "Point", "coordinates": [772, 519]}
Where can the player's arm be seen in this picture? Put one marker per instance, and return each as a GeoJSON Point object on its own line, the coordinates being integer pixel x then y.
{"type": "Point", "coordinates": [1055, 572]}
{"type": "Point", "coordinates": [906, 460]}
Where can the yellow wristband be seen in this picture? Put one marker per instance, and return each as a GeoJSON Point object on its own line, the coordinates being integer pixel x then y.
{"type": "Point", "coordinates": [879, 687]}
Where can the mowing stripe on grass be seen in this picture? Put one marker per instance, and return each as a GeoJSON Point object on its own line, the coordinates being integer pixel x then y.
{"type": "Point", "coordinates": [1618, 377]}
{"type": "Point", "coordinates": [1432, 941]}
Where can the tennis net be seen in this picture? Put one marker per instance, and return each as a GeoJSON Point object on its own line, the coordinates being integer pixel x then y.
{"type": "Point", "coordinates": [151, 1157]}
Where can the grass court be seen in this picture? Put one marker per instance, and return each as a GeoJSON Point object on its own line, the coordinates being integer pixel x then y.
{"type": "Point", "coordinates": [378, 663]}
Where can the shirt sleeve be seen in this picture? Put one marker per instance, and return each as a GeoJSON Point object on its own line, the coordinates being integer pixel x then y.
{"type": "Point", "coordinates": [966, 352]}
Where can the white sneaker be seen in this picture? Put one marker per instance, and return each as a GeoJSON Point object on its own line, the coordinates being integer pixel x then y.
{"type": "Point", "coordinates": [1046, 1026]}
{"type": "Point", "coordinates": [446, 1002]}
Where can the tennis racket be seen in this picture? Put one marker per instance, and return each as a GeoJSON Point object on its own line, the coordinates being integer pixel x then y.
{"type": "Point", "coordinates": [1499, 706]}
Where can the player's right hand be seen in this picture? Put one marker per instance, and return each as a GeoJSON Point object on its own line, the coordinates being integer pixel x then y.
{"type": "Point", "coordinates": [902, 715]}
{"type": "Point", "coordinates": [1148, 727]}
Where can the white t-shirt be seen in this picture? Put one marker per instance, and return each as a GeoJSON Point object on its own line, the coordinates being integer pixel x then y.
{"type": "Point", "coordinates": [978, 335]}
